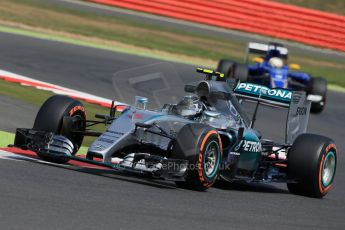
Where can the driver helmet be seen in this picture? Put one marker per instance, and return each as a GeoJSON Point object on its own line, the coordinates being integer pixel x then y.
{"type": "Point", "coordinates": [189, 107]}
{"type": "Point", "coordinates": [276, 62]}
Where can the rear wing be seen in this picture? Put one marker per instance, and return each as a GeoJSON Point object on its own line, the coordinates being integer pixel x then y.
{"type": "Point", "coordinates": [272, 97]}
{"type": "Point", "coordinates": [295, 101]}
{"type": "Point", "coordinates": [264, 49]}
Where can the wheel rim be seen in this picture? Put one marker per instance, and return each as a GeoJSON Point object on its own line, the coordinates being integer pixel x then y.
{"type": "Point", "coordinates": [328, 168]}
{"type": "Point", "coordinates": [211, 159]}
{"type": "Point", "coordinates": [76, 138]}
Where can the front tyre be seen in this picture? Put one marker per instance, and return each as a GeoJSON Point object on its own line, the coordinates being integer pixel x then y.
{"type": "Point", "coordinates": [202, 147]}
{"type": "Point", "coordinates": [50, 119]}
{"type": "Point", "coordinates": [312, 162]}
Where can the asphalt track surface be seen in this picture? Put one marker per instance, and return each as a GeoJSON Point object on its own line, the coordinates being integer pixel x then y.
{"type": "Point", "coordinates": [39, 196]}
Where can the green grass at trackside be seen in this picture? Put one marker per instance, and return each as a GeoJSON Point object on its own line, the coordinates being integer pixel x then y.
{"type": "Point", "coordinates": [333, 6]}
{"type": "Point", "coordinates": [50, 19]}
{"type": "Point", "coordinates": [37, 97]}
{"type": "Point", "coordinates": [41, 14]}
{"type": "Point", "coordinates": [6, 139]}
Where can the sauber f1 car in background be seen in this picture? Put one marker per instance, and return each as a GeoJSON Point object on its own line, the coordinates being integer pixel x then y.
{"type": "Point", "coordinates": [203, 138]}
{"type": "Point", "coordinates": [272, 70]}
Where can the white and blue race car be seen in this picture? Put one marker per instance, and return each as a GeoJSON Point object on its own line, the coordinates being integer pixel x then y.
{"type": "Point", "coordinates": [272, 70]}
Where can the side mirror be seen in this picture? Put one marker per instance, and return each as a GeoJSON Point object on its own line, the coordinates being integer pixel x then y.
{"type": "Point", "coordinates": [294, 66]}
{"type": "Point", "coordinates": [190, 88]}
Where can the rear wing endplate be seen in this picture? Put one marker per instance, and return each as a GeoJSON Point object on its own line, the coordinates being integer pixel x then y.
{"type": "Point", "coordinates": [298, 116]}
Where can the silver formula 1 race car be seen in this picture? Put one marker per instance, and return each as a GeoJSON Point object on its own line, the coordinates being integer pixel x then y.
{"type": "Point", "coordinates": [205, 137]}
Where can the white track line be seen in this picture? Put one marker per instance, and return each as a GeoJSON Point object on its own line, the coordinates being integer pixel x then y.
{"type": "Point", "coordinates": [9, 76]}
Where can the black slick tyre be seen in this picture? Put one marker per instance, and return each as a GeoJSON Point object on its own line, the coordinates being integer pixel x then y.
{"type": "Point", "coordinates": [318, 86]}
{"type": "Point", "coordinates": [226, 67]}
{"type": "Point", "coordinates": [241, 72]}
{"type": "Point", "coordinates": [50, 119]}
{"type": "Point", "coordinates": [202, 147]}
{"type": "Point", "coordinates": [311, 165]}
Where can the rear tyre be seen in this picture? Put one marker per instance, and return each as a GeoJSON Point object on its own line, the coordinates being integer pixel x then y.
{"type": "Point", "coordinates": [233, 70]}
{"type": "Point", "coordinates": [226, 67]}
{"type": "Point", "coordinates": [318, 86]}
{"type": "Point", "coordinates": [241, 72]}
{"type": "Point", "coordinates": [311, 165]}
{"type": "Point", "coordinates": [202, 147]}
{"type": "Point", "coordinates": [50, 119]}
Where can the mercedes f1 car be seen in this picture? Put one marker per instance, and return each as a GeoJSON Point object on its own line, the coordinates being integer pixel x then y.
{"type": "Point", "coordinates": [205, 137]}
{"type": "Point", "coordinates": [271, 69]}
